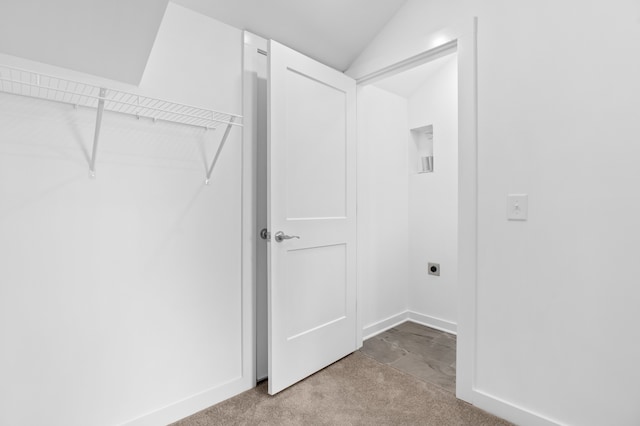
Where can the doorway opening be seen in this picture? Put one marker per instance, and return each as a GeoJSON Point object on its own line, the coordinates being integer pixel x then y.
{"type": "Point", "coordinates": [408, 128]}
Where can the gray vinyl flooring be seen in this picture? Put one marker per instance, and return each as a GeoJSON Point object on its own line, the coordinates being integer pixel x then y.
{"type": "Point", "coordinates": [425, 353]}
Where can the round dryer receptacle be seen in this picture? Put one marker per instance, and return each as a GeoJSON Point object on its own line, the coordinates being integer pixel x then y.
{"type": "Point", "coordinates": [434, 269]}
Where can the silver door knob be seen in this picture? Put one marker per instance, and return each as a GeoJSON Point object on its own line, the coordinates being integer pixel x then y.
{"type": "Point", "coordinates": [281, 236]}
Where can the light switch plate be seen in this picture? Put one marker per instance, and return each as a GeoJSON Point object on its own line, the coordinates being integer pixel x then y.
{"type": "Point", "coordinates": [517, 206]}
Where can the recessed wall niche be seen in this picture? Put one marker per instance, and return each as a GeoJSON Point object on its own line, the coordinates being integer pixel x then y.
{"type": "Point", "coordinates": [423, 140]}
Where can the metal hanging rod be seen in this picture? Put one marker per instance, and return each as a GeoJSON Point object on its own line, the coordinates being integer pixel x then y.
{"type": "Point", "coordinates": [42, 86]}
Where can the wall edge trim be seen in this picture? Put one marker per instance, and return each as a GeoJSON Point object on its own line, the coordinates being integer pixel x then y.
{"type": "Point", "coordinates": [192, 404]}
{"type": "Point", "coordinates": [413, 61]}
{"type": "Point", "coordinates": [433, 322]}
{"type": "Point", "coordinates": [385, 324]}
{"type": "Point", "coordinates": [381, 326]}
{"type": "Point", "coordinates": [510, 411]}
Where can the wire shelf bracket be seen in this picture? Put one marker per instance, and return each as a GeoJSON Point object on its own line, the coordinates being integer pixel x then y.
{"type": "Point", "coordinates": [96, 135]}
{"type": "Point", "coordinates": [36, 85]}
{"type": "Point", "coordinates": [215, 158]}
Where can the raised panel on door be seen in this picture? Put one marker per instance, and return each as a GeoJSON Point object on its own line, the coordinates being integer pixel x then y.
{"type": "Point", "coordinates": [316, 154]}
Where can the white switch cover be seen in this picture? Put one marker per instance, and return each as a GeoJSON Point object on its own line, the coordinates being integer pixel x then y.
{"type": "Point", "coordinates": [517, 206]}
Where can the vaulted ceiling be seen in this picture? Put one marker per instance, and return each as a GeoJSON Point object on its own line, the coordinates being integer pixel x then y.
{"type": "Point", "coordinates": [111, 39]}
{"type": "Point", "coordinates": [333, 32]}
{"type": "Point", "coordinates": [114, 38]}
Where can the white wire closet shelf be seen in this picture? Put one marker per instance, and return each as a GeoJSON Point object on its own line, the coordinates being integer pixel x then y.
{"type": "Point", "coordinates": [36, 85]}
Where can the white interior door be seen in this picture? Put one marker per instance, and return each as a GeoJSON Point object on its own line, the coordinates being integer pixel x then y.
{"type": "Point", "coordinates": [311, 195]}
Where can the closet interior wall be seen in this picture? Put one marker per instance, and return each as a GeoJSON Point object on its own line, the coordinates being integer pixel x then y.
{"type": "Point", "coordinates": [121, 297]}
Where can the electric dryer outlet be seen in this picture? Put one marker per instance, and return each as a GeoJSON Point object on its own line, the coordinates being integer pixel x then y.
{"type": "Point", "coordinates": [434, 269]}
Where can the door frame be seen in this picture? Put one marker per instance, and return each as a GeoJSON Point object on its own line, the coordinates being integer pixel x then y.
{"type": "Point", "coordinates": [250, 232]}
{"type": "Point", "coordinates": [462, 39]}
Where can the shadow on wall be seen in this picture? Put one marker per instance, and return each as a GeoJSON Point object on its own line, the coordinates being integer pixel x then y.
{"type": "Point", "coordinates": [67, 134]}
{"type": "Point", "coordinates": [10, 209]}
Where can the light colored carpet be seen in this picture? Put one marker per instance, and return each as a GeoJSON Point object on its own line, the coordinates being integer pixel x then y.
{"type": "Point", "coordinates": [356, 390]}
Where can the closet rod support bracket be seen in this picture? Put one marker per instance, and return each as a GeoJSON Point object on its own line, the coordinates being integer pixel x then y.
{"type": "Point", "coordinates": [96, 135]}
{"type": "Point", "coordinates": [215, 158]}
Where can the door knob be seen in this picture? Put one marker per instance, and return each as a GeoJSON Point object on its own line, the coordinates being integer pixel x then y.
{"type": "Point", "coordinates": [281, 236]}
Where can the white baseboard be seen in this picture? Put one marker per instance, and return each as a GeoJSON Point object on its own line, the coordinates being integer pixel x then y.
{"type": "Point", "coordinates": [509, 411]}
{"type": "Point", "coordinates": [433, 322]}
{"type": "Point", "coordinates": [397, 319]}
{"type": "Point", "coordinates": [191, 405]}
{"type": "Point", "coordinates": [384, 325]}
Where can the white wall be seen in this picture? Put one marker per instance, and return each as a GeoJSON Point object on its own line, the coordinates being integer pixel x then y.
{"type": "Point", "coordinates": [111, 39]}
{"type": "Point", "coordinates": [433, 200]}
{"type": "Point", "coordinates": [121, 296]}
{"type": "Point", "coordinates": [557, 296]}
{"type": "Point", "coordinates": [383, 244]}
